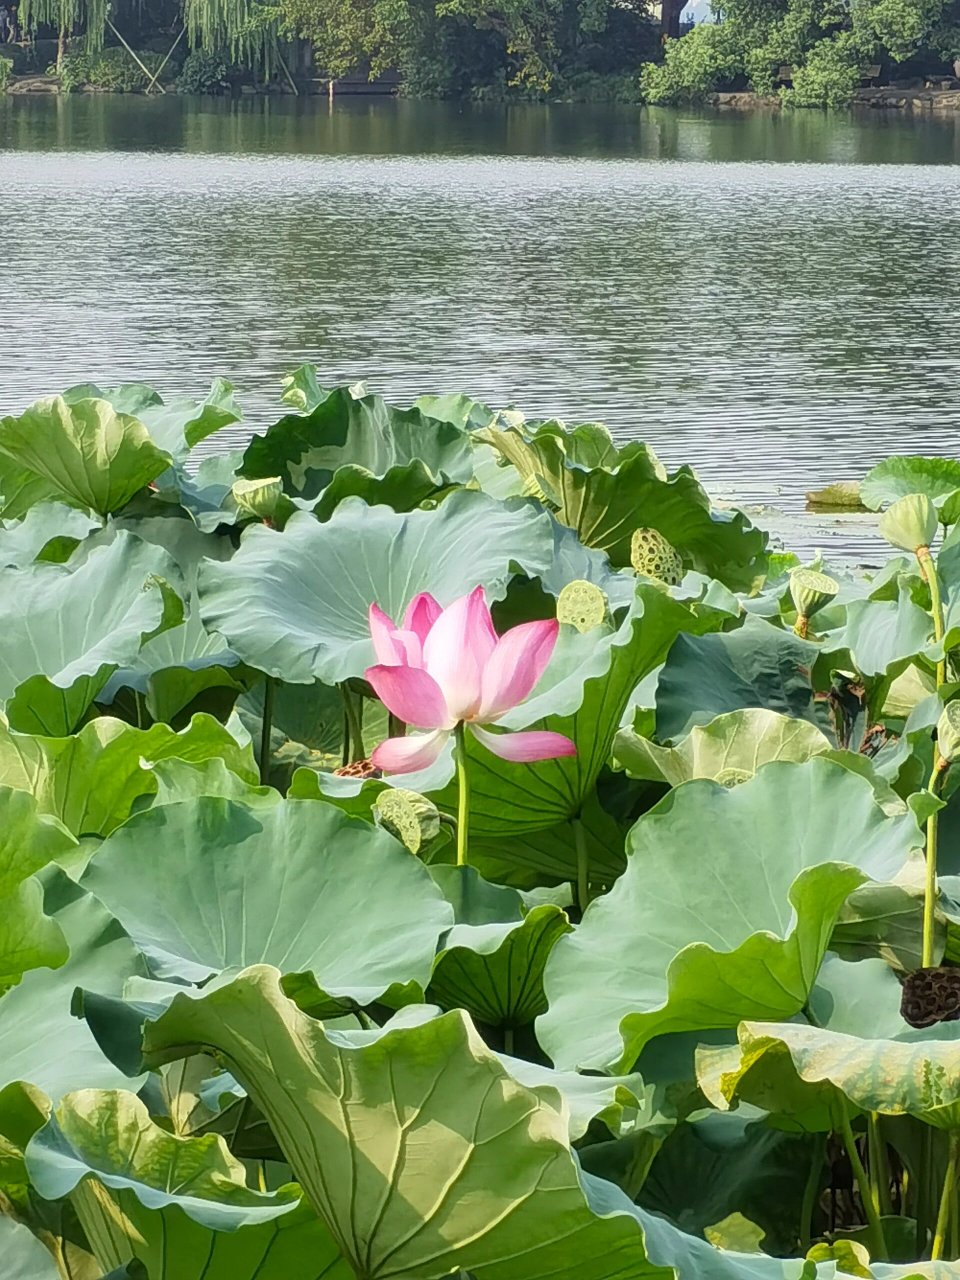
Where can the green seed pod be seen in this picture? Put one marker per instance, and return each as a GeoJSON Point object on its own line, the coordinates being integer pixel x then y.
{"type": "Point", "coordinates": [409, 816]}
{"type": "Point", "coordinates": [910, 523]}
{"type": "Point", "coordinates": [652, 554]}
{"type": "Point", "coordinates": [811, 590]}
{"type": "Point", "coordinates": [948, 732]}
{"type": "Point", "coordinates": [259, 498]}
{"type": "Point", "coordinates": [582, 605]}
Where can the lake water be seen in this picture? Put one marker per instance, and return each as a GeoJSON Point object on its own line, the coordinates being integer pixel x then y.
{"type": "Point", "coordinates": [774, 299]}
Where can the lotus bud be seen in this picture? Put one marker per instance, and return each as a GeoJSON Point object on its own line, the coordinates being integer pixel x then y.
{"type": "Point", "coordinates": [409, 816]}
{"type": "Point", "coordinates": [910, 523]}
{"type": "Point", "coordinates": [582, 605]}
{"type": "Point", "coordinates": [810, 590]}
{"type": "Point", "coordinates": [259, 498]}
{"type": "Point", "coordinates": [652, 554]}
{"type": "Point", "coordinates": [948, 733]}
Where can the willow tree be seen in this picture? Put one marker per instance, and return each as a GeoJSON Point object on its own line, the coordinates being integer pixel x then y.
{"type": "Point", "coordinates": [65, 16]}
{"type": "Point", "coordinates": [243, 29]}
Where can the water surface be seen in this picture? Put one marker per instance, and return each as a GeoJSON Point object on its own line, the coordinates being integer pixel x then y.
{"type": "Point", "coordinates": [772, 298]}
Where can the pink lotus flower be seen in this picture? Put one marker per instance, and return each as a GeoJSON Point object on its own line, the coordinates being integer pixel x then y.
{"type": "Point", "coordinates": [447, 667]}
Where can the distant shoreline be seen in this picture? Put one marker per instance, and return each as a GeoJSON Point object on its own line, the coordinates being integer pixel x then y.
{"type": "Point", "coordinates": [912, 101]}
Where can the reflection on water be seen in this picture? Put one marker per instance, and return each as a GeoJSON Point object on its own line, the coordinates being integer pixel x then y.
{"type": "Point", "coordinates": [773, 298]}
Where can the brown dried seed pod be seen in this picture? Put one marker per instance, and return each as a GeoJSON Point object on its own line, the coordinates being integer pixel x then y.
{"type": "Point", "coordinates": [930, 996]}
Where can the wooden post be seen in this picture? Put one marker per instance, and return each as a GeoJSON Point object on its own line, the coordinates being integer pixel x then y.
{"type": "Point", "coordinates": [144, 69]}
{"type": "Point", "coordinates": [330, 90]}
{"type": "Point", "coordinates": [286, 72]}
{"type": "Point", "coordinates": [156, 76]}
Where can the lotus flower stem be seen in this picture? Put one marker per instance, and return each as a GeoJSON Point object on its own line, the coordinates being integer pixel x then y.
{"type": "Point", "coordinates": [928, 568]}
{"type": "Point", "coordinates": [508, 1040]}
{"type": "Point", "coordinates": [463, 798]}
{"type": "Point", "coordinates": [878, 1244]}
{"type": "Point", "coordinates": [879, 1167]}
{"type": "Point", "coordinates": [948, 1205]}
{"type": "Point", "coordinates": [937, 775]}
{"type": "Point", "coordinates": [583, 865]}
{"type": "Point", "coordinates": [266, 729]}
{"type": "Point", "coordinates": [811, 1192]}
{"type": "Point", "coordinates": [801, 625]}
{"type": "Point", "coordinates": [354, 719]}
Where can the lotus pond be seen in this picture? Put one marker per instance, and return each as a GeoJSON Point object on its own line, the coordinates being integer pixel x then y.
{"type": "Point", "coordinates": [440, 843]}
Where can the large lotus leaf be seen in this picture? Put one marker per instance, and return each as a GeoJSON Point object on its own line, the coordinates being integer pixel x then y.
{"type": "Point", "coordinates": [899, 476]}
{"type": "Point", "coordinates": [41, 1043]}
{"type": "Point", "coordinates": [93, 780]}
{"type": "Point", "coordinates": [495, 971]}
{"type": "Point", "coordinates": [67, 627]}
{"type": "Point", "coordinates": [86, 453]}
{"type": "Point", "coordinates": [206, 495]}
{"type": "Point", "coordinates": [717, 1165]}
{"type": "Point", "coordinates": [177, 780]}
{"type": "Point", "coordinates": [295, 604]}
{"type": "Point", "coordinates": [755, 666]}
{"type": "Point", "coordinates": [29, 841]}
{"type": "Point", "coordinates": [583, 694]}
{"type": "Point", "coordinates": [723, 913]}
{"type": "Point", "coordinates": [24, 1257]}
{"type": "Point", "coordinates": [49, 531]}
{"type": "Point", "coordinates": [730, 748]}
{"type": "Point", "coordinates": [883, 636]}
{"type": "Point", "coordinates": [862, 1052]}
{"type": "Point", "coordinates": [175, 426]}
{"type": "Point", "coordinates": [606, 494]}
{"type": "Point", "coordinates": [422, 1155]}
{"type": "Point", "coordinates": [210, 884]}
{"type": "Point", "coordinates": [179, 1205]}
{"type": "Point", "coordinates": [367, 436]}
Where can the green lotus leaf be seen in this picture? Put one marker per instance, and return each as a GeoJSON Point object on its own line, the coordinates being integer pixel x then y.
{"type": "Point", "coordinates": [605, 494]}
{"type": "Point", "coordinates": [883, 636]}
{"type": "Point", "coordinates": [900, 476]}
{"type": "Point", "coordinates": [842, 495]}
{"type": "Point", "coordinates": [24, 1257]}
{"type": "Point", "coordinates": [865, 1054]}
{"type": "Point", "coordinates": [176, 426]}
{"type": "Point", "coordinates": [295, 604]}
{"type": "Point", "coordinates": [179, 1205]}
{"type": "Point", "coordinates": [116, 597]}
{"type": "Point", "coordinates": [41, 1043]}
{"type": "Point", "coordinates": [406, 454]}
{"type": "Point", "coordinates": [86, 453]}
{"type": "Point", "coordinates": [178, 780]}
{"type": "Point", "coordinates": [416, 1129]}
{"type": "Point", "coordinates": [210, 884]}
{"type": "Point", "coordinates": [463, 411]}
{"type": "Point", "coordinates": [303, 391]}
{"type": "Point", "coordinates": [206, 495]}
{"type": "Point", "coordinates": [723, 913]}
{"type": "Point", "coordinates": [49, 531]}
{"type": "Point", "coordinates": [757, 665]}
{"type": "Point", "coordinates": [740, 741]}
{"type": "Point", "coordinates": [29, 841]}
{"type": "Point", "coordinates": [583, 694]}
{"type": "Point", "coordinates": [495, 971]}
{"type": "Point", "coordinates": [93, 780]}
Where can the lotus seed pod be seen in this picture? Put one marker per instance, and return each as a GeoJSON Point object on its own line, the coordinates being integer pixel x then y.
{"type": "Point", "coordinates": [652, 554]}
{"type": "Point", "coordinates": [581, 604]}
{"type": "Point", "coordinates": [910, 523]}
{"type": "Point", "coordinates": [259, 498]}
{"type": "Point", "coordinates": [811, 590]}
{"type": "Point", "coordinates": [948, 732]}
{"type": "Point", "coordinates": [409, 816]}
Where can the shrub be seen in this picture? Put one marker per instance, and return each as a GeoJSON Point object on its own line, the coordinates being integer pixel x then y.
{"type": "Point", "coordinates": [203, 72]}
{"type": "Point", "coordinates": [6, 66]}
{"type": "Point", "coordinates": [112, 70]}
{"type": "Point", "coordinates": [706, 59]}
{"type": "Point", "coordinates": [829, 77]}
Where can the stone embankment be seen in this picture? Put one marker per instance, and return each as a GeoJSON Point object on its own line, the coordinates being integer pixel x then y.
{"type": "Point", "coordinates": [914, 101]}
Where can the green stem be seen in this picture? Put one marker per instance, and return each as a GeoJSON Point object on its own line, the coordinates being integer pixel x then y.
{"type": "Point", "coordinates": [937, 775]}
{"type": "Point", "coordinates": [811, 1192]}
{"type": "Point", "coordinates": [140, 704]}
{"type": "Point", "coordinates": [879, 1167]}
{"type": "Point", "coordinates": [266, 728]}
{"type": "Point", "coordinates": [354, 714]}
{"type": "Point", "coordinates": [801, 625]}
{"type": "Point", "coordinates": [583, 865]}
{"type": "Point", "coordinates": [395, 726]}
{"type": "Point", "coordinates": [878, 1245]}
{"type": "Point", "coordinates": [463, 788]}
{"type": "Point", "coordinates": [345, 731]}
{"type": "Point", "coordinates": [948, 1206]}
{"type": "Point", "coordinates": [922, 1192]}
{"type": "Point", "coordinates": [508, 1040]}
{"type": "Point", "coordinates": [929, 570]}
